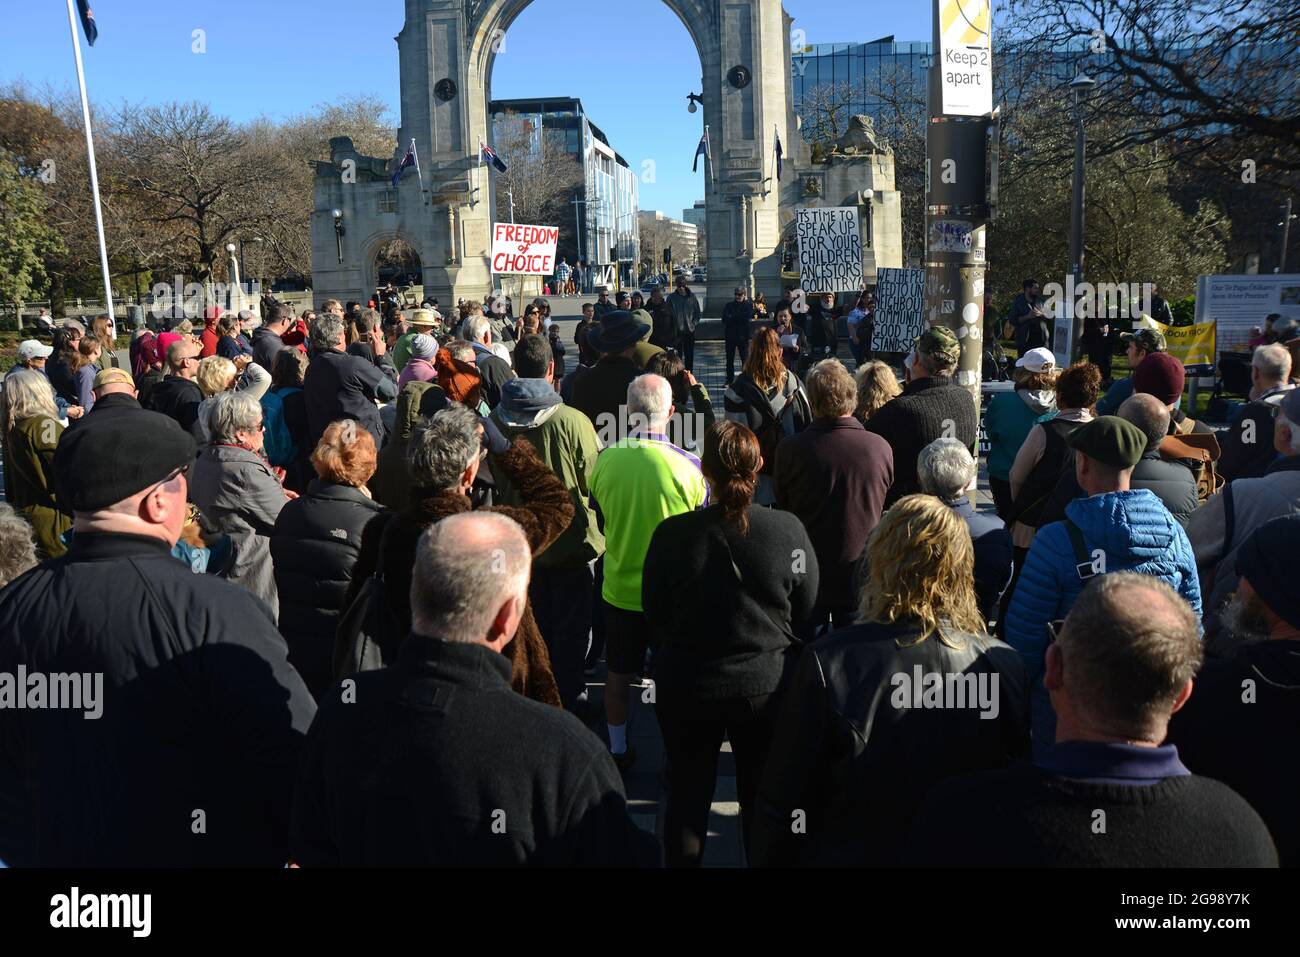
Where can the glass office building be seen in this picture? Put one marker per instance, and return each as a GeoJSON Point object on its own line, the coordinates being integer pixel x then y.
{"type": "Point", "coordinates": [868, 70]}
{"type": "Point", "coordinates": [601, 227]}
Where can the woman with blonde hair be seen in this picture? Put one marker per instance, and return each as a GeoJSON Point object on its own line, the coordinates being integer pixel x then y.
{"type": "Point", "coordinates": [31, 435]}
{"type": "Point", "coordinates": [218, 374]}
{"type": "Point", "coordinates": [876, 714]}
{"type": "Point", "coordinates": [769, 400]}
{"type": "Point", "coordinates": [315, 545]}
{"type": "Point", "coordinates": [877, 385]}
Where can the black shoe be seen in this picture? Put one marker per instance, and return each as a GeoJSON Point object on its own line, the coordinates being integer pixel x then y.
{"type": "Point", "coordinates": [625, 760]}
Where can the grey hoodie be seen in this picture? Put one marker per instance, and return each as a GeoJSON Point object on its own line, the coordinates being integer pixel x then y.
{"type": "Point", "coordinates": [526, 403]}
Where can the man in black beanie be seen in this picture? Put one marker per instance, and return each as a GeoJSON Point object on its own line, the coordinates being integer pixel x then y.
{"type": "Point", "coordinates": [148, 715]}
{"type": "Point", "coordinates": [1239, 723]}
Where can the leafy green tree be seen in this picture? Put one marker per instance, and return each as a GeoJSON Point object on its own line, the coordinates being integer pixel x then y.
{"type": "Point", "coordinates": [25, 238]}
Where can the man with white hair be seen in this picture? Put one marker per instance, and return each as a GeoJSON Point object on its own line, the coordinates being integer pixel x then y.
{"type": "Point", "coordinates": [494, 370]}
{"type": "Point", "coordinates": [1219, 527]}
{"type": "Point", "coordinates": [1247, 451]}
{"type": "Point", "coordinates": [637, 483]}
{"type": "Point", "coordinates": [434, 762]}
{"type": "Point", "coordinates": [947, 470]}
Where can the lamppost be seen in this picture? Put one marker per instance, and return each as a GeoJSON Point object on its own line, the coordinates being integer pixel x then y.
{"type": "Point", "coordinates": [243, 273]}
{"type": "Point", "coordinates": [1080, 86]}
{"type": "Point", "coordinates": [1287, 216]}
{"type": "Point", "coordinates": [339, 230]}
{"type": "Point", "coordinates": [691, 100]}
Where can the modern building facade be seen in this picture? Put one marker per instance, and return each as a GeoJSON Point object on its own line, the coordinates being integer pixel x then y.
{"type": "Point", "coordinates": [600, 227]}
{"type": "Point", "coordinates": [661, 229]}
{"type": "Point", "coordinates": [868, 70]}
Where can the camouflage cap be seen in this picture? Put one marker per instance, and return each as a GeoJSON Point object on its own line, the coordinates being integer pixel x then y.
{"type": "Point", "coordinates": [1148, 339]}
{"type": "Point", "coordinates": [939, 341]}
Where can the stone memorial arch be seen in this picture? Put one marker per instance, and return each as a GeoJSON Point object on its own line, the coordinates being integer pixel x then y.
{"type": "Point", "coordinates": [447, 49]}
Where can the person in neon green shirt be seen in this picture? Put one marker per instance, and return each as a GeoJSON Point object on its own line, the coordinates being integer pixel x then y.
{"type": "Point", "coordinates": [637, 483]}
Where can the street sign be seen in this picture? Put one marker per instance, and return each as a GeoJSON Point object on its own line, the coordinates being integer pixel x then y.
{"type": "Point", "coordinates": [965, 57]}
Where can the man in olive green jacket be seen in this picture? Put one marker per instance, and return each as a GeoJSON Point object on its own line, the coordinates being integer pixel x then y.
{"type": "Point", "coordinates": [561, 590]}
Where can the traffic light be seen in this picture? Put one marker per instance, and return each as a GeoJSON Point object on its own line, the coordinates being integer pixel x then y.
{"type": "Point", "coordinates": [668, 255]}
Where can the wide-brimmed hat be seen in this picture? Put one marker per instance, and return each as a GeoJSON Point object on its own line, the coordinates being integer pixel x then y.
{"type": "Point", "coordinates": [616, 332]}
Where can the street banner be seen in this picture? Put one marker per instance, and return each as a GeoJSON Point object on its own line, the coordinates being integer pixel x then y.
{"type": "Point", "coordinates": [519, 250]}
{"type": "Point", "coordinates": [1237, 305]}
{"type": "Point", "coordinates": [965, 57]}
{"type": "Point", "coordinates": [1190, 345]}
{"type": "Point", "coordinates": [830, 249]}
{"type": "Point", "coordinates": [900, 309]}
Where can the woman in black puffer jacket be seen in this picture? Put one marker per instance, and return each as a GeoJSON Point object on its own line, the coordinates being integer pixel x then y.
{"type": "Point", "coordinates": [315, 545]}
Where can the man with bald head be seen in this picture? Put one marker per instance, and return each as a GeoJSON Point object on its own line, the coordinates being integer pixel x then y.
{"type": "Point", "coordinates": [178, 395]}
{"type": "Point", "coordinates": [1171, 481]}
{"type": "Point", "coordinates": [1111, 792]}
{"type": "Point", "coordinates": [435, 760]}
{"type": "Point", "coordinates": [115, 396]}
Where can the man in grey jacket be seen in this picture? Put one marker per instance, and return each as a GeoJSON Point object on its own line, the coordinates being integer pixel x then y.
{"type": "Point", "coordinates": [1218, 527]}
{"type": "Point", "coordinates": [686, 316]}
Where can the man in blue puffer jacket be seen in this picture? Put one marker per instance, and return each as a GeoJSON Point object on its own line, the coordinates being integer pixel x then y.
{"type": "Point", "coordinates": [1113, 529]}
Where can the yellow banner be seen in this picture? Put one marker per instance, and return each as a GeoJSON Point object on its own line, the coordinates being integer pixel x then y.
{"type": "Point", "coordinates": [1190, 345]}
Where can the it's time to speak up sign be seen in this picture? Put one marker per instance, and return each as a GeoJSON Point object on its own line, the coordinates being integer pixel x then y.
{"type": "Point", "coordinates": [519, 250]}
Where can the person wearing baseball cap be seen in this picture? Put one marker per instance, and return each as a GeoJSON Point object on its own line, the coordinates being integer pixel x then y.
{"type": "Point", "coordinates": [1113, 528]}
{"type": "Point", "coordinates": [1235, 740]}
{"type": "Point", "coordinates": [32, 354]}
{"type": "Point", "coordinates": [1139, 343]}
{"type": "Point", "coordinates": [1011, 415]}
{"type": "Point", "coordinates": [931, 406]}
{"type": "Point", "coordinates": [1220, 526]}
{"type": "Point", "coordinates": [118, 605]}
{"type": "Point", "coordinates": [115, 397]}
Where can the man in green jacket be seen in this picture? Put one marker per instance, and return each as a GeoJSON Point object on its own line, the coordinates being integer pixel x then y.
{"type": "Point", "coordinates": [561, 590]}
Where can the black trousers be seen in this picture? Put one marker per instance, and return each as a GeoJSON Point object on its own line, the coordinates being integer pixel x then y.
{"type": "Point", "coordinates": [693, 732]}
{"type": "Point", "coordinates": [734, 346]}
{"type": "Point", "coordinates": [1002, 497]}
{"type": "Point", "coordinates": [686, 346]}
{"type": "Point", "coordinates": [562, 600]}
{"type": "Point", "coordinates": [597, 647]}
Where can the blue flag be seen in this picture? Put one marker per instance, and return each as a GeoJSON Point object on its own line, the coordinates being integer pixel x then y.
{"type": "Point", "coordinates": [780, 154]}
{"type": "Point", "coordinates": [409, 160]}
{"type": "Point", "coordinates": [88, 21]}
{"type": "Point", "coordinates": [701, 150]}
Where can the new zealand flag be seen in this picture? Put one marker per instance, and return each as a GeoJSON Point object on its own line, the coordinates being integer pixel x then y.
{"type": "Point", "coordinates": [88, 21]}
{"type": "Point", "coordinates": [491, 156]}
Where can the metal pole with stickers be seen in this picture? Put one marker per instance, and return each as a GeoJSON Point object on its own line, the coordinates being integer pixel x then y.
{"type": "Point", "coordinates": [957, 188]}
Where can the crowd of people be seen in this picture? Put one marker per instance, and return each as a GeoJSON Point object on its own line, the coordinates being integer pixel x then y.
{"type": "Point", "coordinates": [346, 578]}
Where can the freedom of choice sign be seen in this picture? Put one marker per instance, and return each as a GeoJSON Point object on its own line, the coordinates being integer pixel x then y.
{"type": "Point", "coordinates": [830, 249]}
{"type": "Point", "coordinates": [965, 57]}
{"type": "Point", "coordinates": [519, 250]}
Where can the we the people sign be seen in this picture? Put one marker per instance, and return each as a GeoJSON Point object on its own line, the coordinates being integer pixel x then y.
{"type": "Point", "coordinates": [830, 249]}
{"type": "Point", "coordinates": [519, 250]}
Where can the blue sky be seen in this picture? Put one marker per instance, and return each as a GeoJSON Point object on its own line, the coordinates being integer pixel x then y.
{"type": "Point", "coordinates": [631, 62]}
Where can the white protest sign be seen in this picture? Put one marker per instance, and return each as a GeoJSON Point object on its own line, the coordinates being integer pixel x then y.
{"type": "Point", "coordinates": [830, 249]}
{"type": "Point", "coordinates": [1238, 305]}
{"type": "Point", "coordinates": [519, 250]}
{"type": "Point", "coordinates": [966, 57]}
{"type": "Point", "coordinates": [900, 309]}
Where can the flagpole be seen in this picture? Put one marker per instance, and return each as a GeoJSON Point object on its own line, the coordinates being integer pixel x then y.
{"type": "Point", "coordinates": [94, 172]}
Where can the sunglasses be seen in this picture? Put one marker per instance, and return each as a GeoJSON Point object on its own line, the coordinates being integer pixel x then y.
{"type": "Point", "coordinates": [184, 471]}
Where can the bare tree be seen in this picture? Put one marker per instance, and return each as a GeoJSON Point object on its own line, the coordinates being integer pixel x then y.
{"type": "Point", "coordinates": [825, 109]}
{"type": "Point", "coordinates": [541, 176]}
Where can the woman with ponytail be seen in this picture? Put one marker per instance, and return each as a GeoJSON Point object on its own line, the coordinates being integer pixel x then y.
{"type": "Point", "coordinates": [723, 589]}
